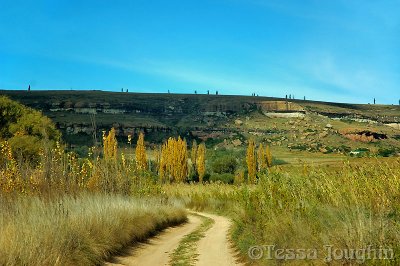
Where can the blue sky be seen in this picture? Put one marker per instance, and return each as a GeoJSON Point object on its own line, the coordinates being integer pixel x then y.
{"type": "Point", "coordinates": [342, 50]}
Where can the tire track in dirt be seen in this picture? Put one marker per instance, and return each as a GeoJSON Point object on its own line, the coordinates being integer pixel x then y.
{"type": "Point", "coordinates": [213, 249]}
{"type": "Point", "coordinates": [157, 249]}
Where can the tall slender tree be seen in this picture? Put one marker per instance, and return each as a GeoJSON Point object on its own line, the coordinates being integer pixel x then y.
{"type": "Point", "coordinates": [251, 161]}
{"type": "Point", "coordinates": [110, 145]}
{"type": "Point", "coordinates": [201, 161]}
{"type": "Point", "coordinates": [261, 158]}
{"type": "Point", "coordinates": [193, 156]}
{"type": "Point", "coordinates": [173, 166]}
{"type": "Point", "coordinates": [140, 153]}
{"type": "Point", "coordinates": [268, 156]}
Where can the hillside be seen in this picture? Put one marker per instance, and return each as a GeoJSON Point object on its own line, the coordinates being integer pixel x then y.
{"type": "Point", "coordinates": [289, 125]}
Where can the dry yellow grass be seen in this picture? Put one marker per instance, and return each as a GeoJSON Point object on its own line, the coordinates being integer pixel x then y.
{"type": "Point", "coordinates": [77, 231]}
{"type": "Point", "coordinates": [352, 206]}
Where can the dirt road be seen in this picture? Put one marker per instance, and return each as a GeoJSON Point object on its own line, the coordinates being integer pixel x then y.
{"type": "Point", "coordinates": [156, 251]}
{"type": "Point", "coordinates": [213, 249]}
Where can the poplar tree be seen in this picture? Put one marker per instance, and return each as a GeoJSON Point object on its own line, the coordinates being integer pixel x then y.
{"type": "Point", "coordinates": [261, 158]}
{"type": "Point", "coordinates": [173, 161]}
{"type": "Point", "coordinates": [162, 167]}
{"type": "Point", "coordinates": [268, 156]}
{"type": "Point", "coordinates": [251, 162]}
{"type": "Point", "coordinates": [201, 161]}
{"type": "Point", "coordinates": [158, 158]}
{"type": "Point", "coordinates": [193, 156]}
{"type": "Point", "coordinates": [110, 145]}
{"type": "Point", "coordinates": [181, 162]}
{"type": "Point", "coordinates": [140, 153]}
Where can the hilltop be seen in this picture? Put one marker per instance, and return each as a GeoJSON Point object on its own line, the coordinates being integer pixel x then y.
{"type": "Point", "coordinates": [224, 121]}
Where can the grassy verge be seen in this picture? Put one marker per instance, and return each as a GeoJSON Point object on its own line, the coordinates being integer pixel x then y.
{"type": "Point", "coordinates": [185, 253]}
{"type": "Point", "coordinates": [77, 231]}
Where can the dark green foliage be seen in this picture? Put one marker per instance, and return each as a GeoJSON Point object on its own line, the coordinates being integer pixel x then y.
{"type": "Point", "coordinates": [386, 152]}
{"type": "Point", "coordinates": [276, 161]}
{"type": "Point", "coordinates": [362, 150]}
{"type": "Point", "coordinates": [309, 130]}
{"type": "Point", "coordinates": [226, 178]}
{"type": "Point", "coordinates": [193, 177]}
{"type": "Point", "coordinates": [329, 149]}
{"type": "Point", "coordinates": [27, 130]}
{"type": "Point", "coordinates": [344, 148]}
{"type": "Point", "coordinates": [80, 139]}
{"type": "Point", "coordinates": [10, 112]}
{"type": "Point", "coordinates": [211, 142]}
{"type": "Point", "coordinates": [226, 164]}
{"type": "Point", "coordinates": [81, 151]}
{"type": "Point", "coordinates": [26, 146]}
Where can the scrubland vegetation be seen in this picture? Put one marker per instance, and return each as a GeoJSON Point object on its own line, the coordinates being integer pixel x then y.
{"type": "Point", "coordinates": [60, 209]}
{"type": "Point", "coordinates": [350, 206]}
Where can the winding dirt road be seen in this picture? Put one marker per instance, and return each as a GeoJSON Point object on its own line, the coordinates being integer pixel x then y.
{"type": "Point", "coordinates": [213, 248]}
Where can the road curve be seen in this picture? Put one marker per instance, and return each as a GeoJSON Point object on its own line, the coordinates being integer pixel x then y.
{"type": "Point", "coordinates": [157, 250]}
{"type": "Point", "coordinates": [212, 249]}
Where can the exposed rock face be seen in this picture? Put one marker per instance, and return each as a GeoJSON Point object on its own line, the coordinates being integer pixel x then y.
{"type": "Point", "coordinates": [284, 115]}
{"type": "Point", "coordinates": [280, 106]}
{"type": "Point", "coordinates": [83, 115]}
{"type": "Point", "coordinates": [364, 136]}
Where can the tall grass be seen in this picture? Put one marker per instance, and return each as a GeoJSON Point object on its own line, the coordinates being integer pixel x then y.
{"type": "Point", "coordinates": [66, 210]}
{"type": "Point", "coordinates": [77, 231]}
{"type": "Point", "coordinates": [214, 197]}
{"type": "Point", "coordinates": [350, 207]}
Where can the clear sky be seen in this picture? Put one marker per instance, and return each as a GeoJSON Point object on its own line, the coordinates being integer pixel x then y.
{"type": "Point", "coordinates": [333, 50]}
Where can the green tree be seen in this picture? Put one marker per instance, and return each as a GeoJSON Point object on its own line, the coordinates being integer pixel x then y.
{"type": "Point", "coordinates": [226, 164]}
{"type": "Point", "coordinates": [27, 130]}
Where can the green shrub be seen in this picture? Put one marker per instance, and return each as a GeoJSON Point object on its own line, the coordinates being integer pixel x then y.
{"type": "Point", "coordinates": [362, 150]}
{"type": "Point", "coordinates": [225, 164]}
{"type": "Point", "coordinates": [26, 146]}
{"type": "Point", "coordinates": [276, 161]}
{"type": "Point", "coordinates": [26, 129]}
{"type": "Point", "coordinates": [206, 177]}
{"type": "Point", "coordinates": [226, 178]}
{"type": "Point", "coordinates": [344, 148]}
{"type": "Point", "coordinates": [211, 142]}
{"type": "Point", "coordinates": [81, 151]}
{"type": "Point", "coordinates": [386, 152]}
